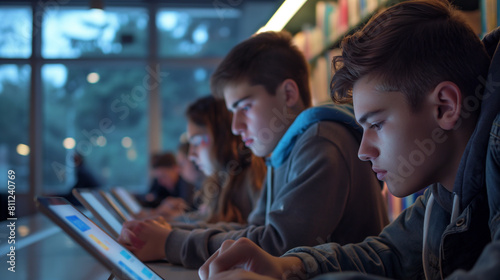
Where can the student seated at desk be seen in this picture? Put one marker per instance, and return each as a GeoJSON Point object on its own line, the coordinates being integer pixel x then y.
{"type": "Point", "coordinates": [418, 78]}
{"type": "Point", "coordinates": [317, 190]}
{"type": "Point", "coordinates": [234, 176]}
{"type": "Point", "coordinates": [169, 195]}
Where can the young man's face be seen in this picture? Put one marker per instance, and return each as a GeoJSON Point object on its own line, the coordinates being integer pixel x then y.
{"type": "Point", "coordinates": [402, 145]}
{"type": "Point", "coordinates": [259, 117]}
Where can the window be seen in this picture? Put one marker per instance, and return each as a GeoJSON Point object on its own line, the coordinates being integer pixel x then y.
{"type": "Point", "coordinates": [16, 29]}
{"type": "Point", "coordinates": [182, 86]}
{"type": "Point", "coordinates": [100, 113]}
{"type": "Point", "coordinates": [197, 32]}
{"type": "Point", "coordinates": [14, 107]}
{"type": "Point", "coordinates": [76, 33]}
{"type": "Point", "coordinates": [90, 69]}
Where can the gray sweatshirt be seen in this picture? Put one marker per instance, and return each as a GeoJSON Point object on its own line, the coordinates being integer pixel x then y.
{"type": "Point", "coordinates": [318, 192]}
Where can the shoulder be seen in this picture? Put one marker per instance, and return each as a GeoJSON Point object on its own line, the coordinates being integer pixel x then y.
{"type": "Point", "coordinates": [331, 131]}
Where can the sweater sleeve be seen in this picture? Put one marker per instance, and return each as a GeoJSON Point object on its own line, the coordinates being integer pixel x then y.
{"type": "Point", "coordinates": [395, 253]}
{"type": "Point", "coordinates": [306, 209]}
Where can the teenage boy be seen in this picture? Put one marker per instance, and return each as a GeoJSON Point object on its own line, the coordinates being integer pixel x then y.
{"type": "Point", "coordinates": [316, 190]}
{"type": "Point", "coordinates": [418, 78]}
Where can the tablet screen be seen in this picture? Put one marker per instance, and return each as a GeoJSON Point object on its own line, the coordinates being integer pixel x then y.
{"type": "Point", "coordinates": [102, 211]}
{"type": "Point", "coordinates": [115, 203]}
{"type": "Point", "coordinates": [127, 198]}
{"type": "Point", "coordinates": [132, 267]}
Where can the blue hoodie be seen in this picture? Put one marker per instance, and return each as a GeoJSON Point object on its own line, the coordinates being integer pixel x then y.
{"type": "Point", "coordinates": [343, 114]}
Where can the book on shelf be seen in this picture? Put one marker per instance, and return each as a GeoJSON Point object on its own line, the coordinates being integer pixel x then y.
{"type": "Point", "coordinates": [310, 41]}
{"type": "Point", "coordinates": [324, 12]}
{"type": "Point", "coordinates": [489, 11]}
{"type": "Point", "coordinates": [333, 20]}
{"type": "Point", "coordinates": [319, 81]}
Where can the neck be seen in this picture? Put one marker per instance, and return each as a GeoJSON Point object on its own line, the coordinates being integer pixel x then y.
{"type": "Point", "coordinates": [462, 137]}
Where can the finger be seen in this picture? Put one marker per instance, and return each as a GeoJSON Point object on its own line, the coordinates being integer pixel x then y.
{"type": "Point", "coordinates": [229, 257]}
{"type": "Point", "coordinates": [129, 224]}
{"type": "Point", "coordinates": [124, 237]}
{"type": "Point", "coordinates": [226, 245]}
{"type": "Point", "coordinates": [161, 220]}
{"type": "Point", "coordinates": [204, 270]}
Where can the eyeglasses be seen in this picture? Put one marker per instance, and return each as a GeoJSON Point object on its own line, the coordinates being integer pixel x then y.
{"type": "Point", "coordinates": [198, 139]}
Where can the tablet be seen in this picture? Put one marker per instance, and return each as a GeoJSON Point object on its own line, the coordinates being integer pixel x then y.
{"type": "Point", "coordinates": [121, 262]}
{"type": "Point", "coordinates": [106, 215]}
{"type": "Point", "coordinates": [127, 200]}
{"type": "Point", "coordinates": [126, 216]}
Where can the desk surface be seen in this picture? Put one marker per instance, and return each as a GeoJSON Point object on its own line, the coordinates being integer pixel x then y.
{"type": "Point", "coordinates": [44, 251]}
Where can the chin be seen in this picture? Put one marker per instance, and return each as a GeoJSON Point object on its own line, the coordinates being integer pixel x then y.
{"type": "Point", "coordinates": [398, 190]}
{"type": "Point", "coordinates": [260, 151]}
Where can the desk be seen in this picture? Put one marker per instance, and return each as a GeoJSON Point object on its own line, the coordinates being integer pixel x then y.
{"type": "Point", "coordinates": [44, 251]}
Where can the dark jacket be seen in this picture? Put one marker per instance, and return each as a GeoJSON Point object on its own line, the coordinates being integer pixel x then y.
{"type": "Point", "coordinates": [182, 189]}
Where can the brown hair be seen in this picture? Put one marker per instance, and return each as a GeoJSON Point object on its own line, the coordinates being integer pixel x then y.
{"type": "Point", "coordinates": [265, 59]}
{"type": "Point", "coordinates": [166, 159]}
{"type": "Point", "coordinates": [411, 47]}
{"type": "Point", "coordinates": [235, 163]}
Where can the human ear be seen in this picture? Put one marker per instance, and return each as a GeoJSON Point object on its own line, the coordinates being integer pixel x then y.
{"type": "Point", "coordinates": [447, 98]}
{"type": "Point", "coordinates": [291, 91]}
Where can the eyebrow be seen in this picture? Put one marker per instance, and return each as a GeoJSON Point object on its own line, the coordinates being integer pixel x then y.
{"type": "Point", "coordinates": [235, 104]}
{"type": "Point", "coordinates": [363, 119]}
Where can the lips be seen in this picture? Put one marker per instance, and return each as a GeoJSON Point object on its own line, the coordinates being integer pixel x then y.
{"type": "Point", "coordinates": [380, 173]}
{"type": "Point", "coordinates": [248, 141]}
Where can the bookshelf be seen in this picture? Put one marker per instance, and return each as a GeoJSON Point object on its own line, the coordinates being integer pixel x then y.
{"type": "Point", "coordinates": [333, 20]}
{"type": "Point", "coordinates": [319, 27]}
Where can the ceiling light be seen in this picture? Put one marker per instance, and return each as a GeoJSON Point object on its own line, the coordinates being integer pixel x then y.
{"type": "Point", "coordinates": [284, 13]}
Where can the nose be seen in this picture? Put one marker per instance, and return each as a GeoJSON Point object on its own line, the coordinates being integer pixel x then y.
{"type": "Point", "coordinates": [367, 150]}
{"type": "Point", "coordinates": [237, 124]}
{"type": "Point", "coordinates": [192, 155]}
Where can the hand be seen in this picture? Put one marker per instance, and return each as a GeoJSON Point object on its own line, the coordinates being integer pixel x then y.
{"type": "Point", "coordinates": [244, 259]}
{"type": "Point", "coordinates": [171, 207]}
{"type": "Point", "coordinates": [146, 239]}
{"type": "Point", "coordinates": [144, 214]}
{"type": "Point", "coordinates": [174, 203]}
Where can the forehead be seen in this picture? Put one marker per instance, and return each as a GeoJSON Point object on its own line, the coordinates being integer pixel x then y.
{"type": "Point", "coordinates": [368, 96]}
{"type": "Point", "coordinates": [195, 129]}
{"type": "Point", "coordinates": [236, 92]}
{"type": "Point", "coordinates": [364, 95]}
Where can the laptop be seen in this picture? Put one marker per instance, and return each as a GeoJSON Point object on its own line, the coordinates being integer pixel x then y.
{"type": "Point", "coordinates": [127, 200]}
{"type": "Point", "coordinates": [121, 262]}
{"type": "Point", "coordinates": [105, 215]}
